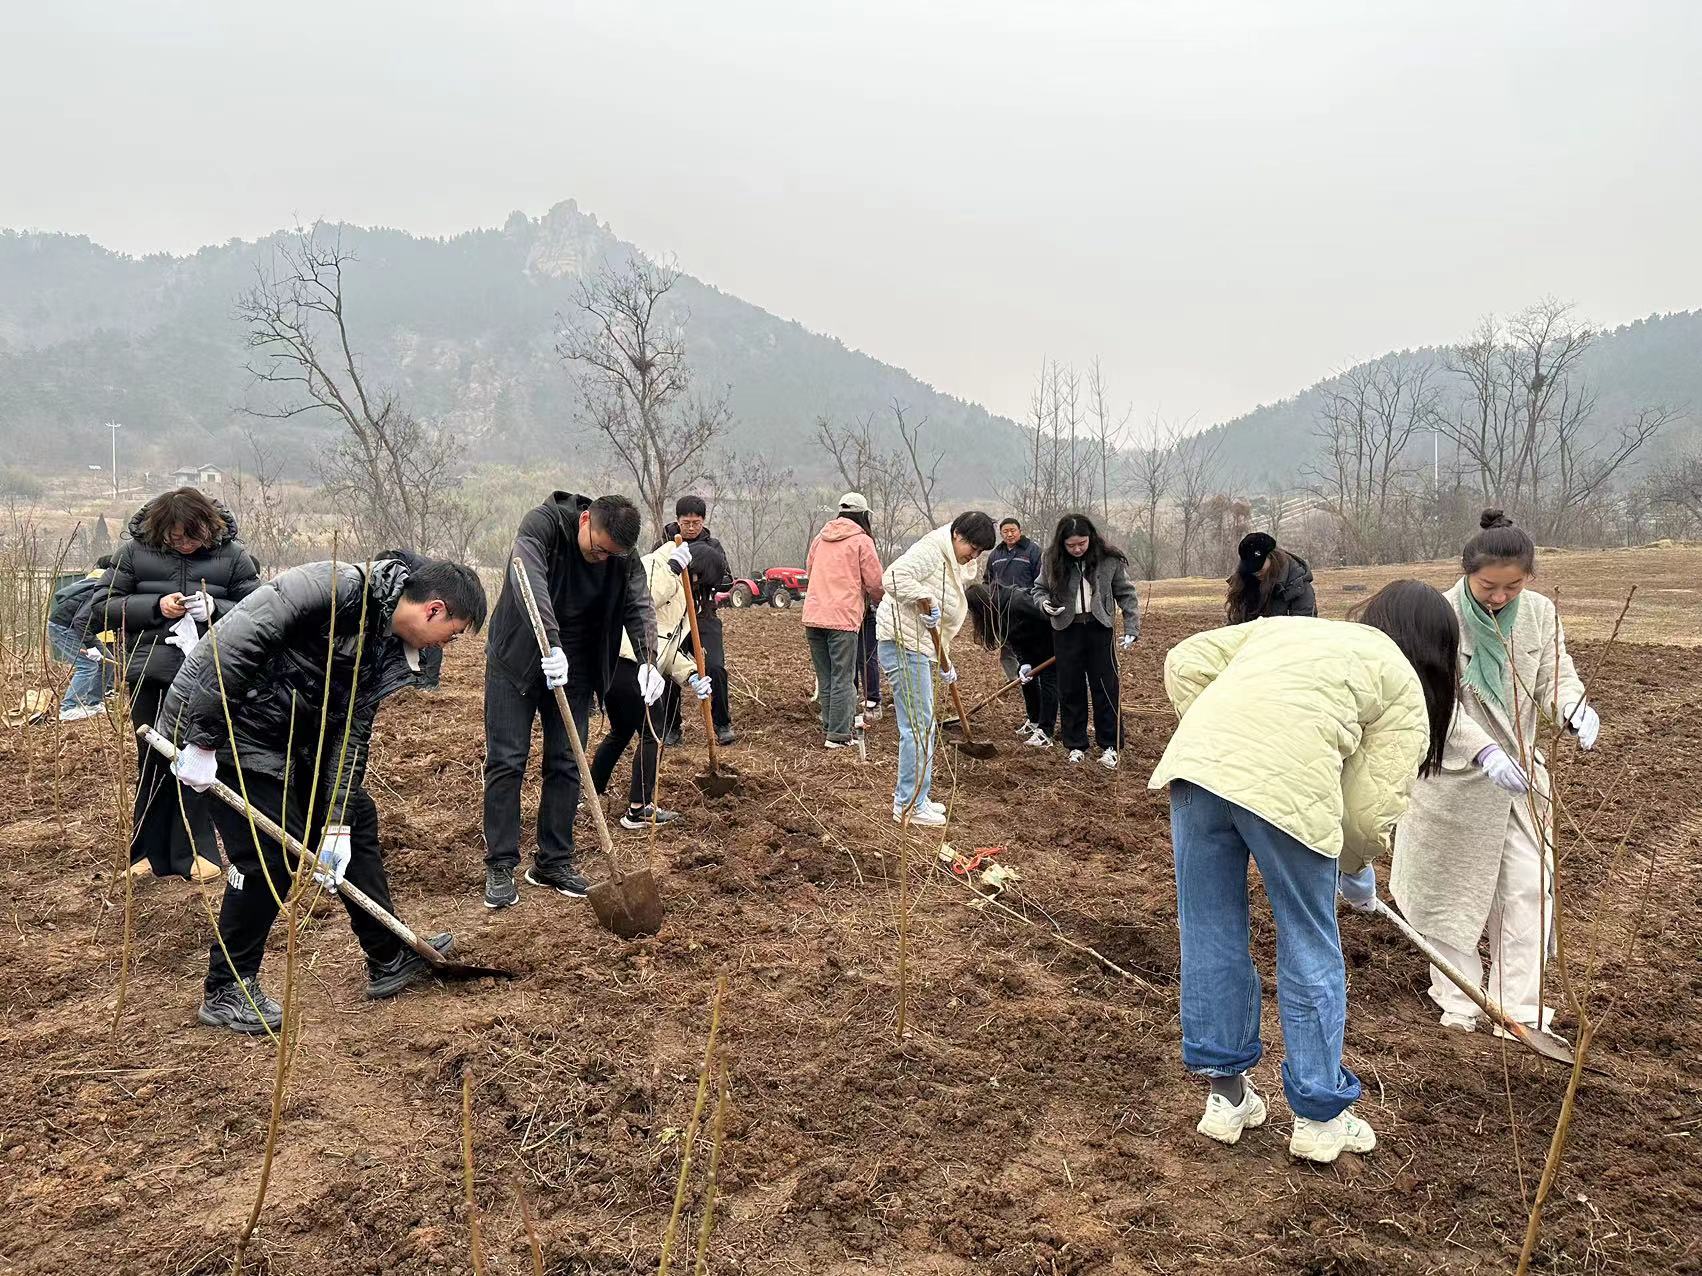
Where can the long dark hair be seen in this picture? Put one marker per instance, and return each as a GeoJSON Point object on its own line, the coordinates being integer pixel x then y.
{"type": "Point", "coordinates": [1250, 591]}
{"type": "Point", "coordinates": [1499, 541]}
{"type": "Point", "coordinates": [1425, 628]}
{"type": "Point", "coordinates": [1058, 559]}
{"type": "Point", "coordinates": [862, 518]}
{"type": "Point", "coordinates": [182, 510]}
{"type": "Point", "coordinates": [999, 613]}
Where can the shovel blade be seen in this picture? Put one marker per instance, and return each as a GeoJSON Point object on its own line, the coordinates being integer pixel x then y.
{"type": "Point", "coordinates": [1546, 1044]}
{"type": "Point", "coordinates": [630, 908]}
{"type": "Point", "coordinates": [446, 969]}
{"type": "Point", "coordinates": [975, 748]}
{"type": "Point", "coordinates": [716, 784]}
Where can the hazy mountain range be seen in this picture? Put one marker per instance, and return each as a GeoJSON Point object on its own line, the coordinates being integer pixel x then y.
{"type": "Point", "coordinates": [465, 329]}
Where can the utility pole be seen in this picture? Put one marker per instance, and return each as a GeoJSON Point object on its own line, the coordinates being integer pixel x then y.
{"type": "Point", "coordinates": [115, 427]}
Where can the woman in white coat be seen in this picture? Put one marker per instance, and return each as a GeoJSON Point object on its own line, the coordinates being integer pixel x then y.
{"type": "Point", "coordinates": [1475, 850]}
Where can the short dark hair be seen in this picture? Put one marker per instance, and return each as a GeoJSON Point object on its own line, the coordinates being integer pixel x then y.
{"type": "Point", "coordinates": [456, 586]}
{"type": "Point", "coordinates": [1498, 541]}
{"type": "Point", "coordinates": [618, 517]}
{"type": "Point", "coordinates": [1423, 624]}
{"type": "Point", "coordinates": [691, 505]}
{"type": "Point", "coordinates": [1008, 521]}
{"type": "Point", "coordinates": [185, 510]}
{"type": "Point", "coordinates": [976, 527]}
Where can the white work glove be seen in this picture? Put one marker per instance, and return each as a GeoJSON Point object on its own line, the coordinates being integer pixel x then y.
{"type": "Point", "coordinates": [1583, 720]}
{"type": "Point", "coordinates": [1506, 774]}
{"type": "Point", "coordinates": [1025, 674]}
{"type": "Point", "coordinates": [199, 607]}
{"type": "Point", "coordinates": [334, 851]}
{"type": "Point", "coordinates": [196, 767]}
{"type": "Point", "coordinates": [1052, 608]}
{"type": "Point", "coordinates": [680, 559]}
{"type": "Point", "coordinates": [92, 653]}
{"type": "Point", "coordinates": [650, 684]}
{"type": "Point", "coordinates": [948, 676]}
{"type": "Point", "coordinates": [701, 684]}
{"type": "Point", "coordinates": [1128, 640]}
{"type": "Point", "coordinates": [554, 666]}
{"type": "Point", "coordinates": [1359, 889]}
{"type": "Point", "coordinates": [931, 619]}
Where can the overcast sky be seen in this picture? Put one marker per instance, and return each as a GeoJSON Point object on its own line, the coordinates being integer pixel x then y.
{"type": "Point", "coordinates": [1224, 201]}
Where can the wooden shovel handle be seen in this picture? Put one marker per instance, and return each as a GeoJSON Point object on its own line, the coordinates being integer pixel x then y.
{"type": "Point", "coordinates": [956, 699]}
{"type": "Point", "coordinates": [702, 669]}
{"type": "Point", "coordinates": [523, 582]}
{"type": "Point", "coordinates": [988, 699]}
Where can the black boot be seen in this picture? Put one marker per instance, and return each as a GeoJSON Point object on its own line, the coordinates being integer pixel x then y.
{"type": "Point", "coordinates": [387, 978]}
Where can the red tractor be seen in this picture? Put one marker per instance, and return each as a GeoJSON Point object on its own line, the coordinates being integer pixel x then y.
{"type": "Point", "coordinates": [777, 588]}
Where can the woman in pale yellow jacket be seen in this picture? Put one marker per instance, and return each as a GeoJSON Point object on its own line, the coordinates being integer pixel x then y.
{"type": "Point", "coordinates": [1298, 743]}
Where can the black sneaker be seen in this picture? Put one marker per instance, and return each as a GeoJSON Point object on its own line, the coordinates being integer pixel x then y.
{"type": "Point", "coordinates": [672, 739]}
{"type": "Point", "coordinates": [241, 1007]}
{"type": "Point", "coordinates": [724, 735]}
{"type": "Point", "coordinates": [642, 817]}
{"type": "Point", "coordinates": [564, 881]}
{"type": "Point", "coordinates": [500, 890]}
{"type": "Point", "coordinates": [387, 978]}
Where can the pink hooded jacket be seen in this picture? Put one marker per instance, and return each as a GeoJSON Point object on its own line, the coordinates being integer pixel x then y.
{"type": "Point", "coordinates": [845, 577]}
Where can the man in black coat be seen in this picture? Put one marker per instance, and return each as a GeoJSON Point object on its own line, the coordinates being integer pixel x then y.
{"type": "Point", "coordinates": [590, 588]}
{"type": "Point", "coordinates": [1015, 564]}
{"type": "Point", "coordinates": [303, 664]}
{"type": "Point", "coordinates": [709, 570]}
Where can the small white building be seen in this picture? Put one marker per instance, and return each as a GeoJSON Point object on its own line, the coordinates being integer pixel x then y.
{"type": "Point", "coordinates": [197, 476]}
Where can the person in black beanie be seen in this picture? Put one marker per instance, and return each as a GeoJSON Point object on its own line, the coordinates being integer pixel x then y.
{"type": "Point", "coordinates": [1268, 581]}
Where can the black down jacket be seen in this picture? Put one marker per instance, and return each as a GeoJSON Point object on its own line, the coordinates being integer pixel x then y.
{"type": "Point", "coordinates": [273, 652]}
{"type": "Point", "coordinates": [128, 600]}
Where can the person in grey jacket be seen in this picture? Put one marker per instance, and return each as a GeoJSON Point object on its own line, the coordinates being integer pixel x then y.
{"type": "Point", "coordinates": [1083, 581]}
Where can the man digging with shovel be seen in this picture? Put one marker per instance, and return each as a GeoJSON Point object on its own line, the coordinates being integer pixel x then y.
{"type": "Point", "coordinates": [590, 589]}
{"type": "Point", "coordinates": [331, 639]}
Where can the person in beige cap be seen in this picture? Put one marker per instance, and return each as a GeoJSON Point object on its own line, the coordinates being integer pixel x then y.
{"type": "Point", "coordinates": [845, 581]}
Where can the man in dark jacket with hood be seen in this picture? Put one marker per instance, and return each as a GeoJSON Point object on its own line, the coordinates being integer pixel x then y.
{"type": "Point", "coordinates": [590, 588]}
{"type": "Point", "coordinates": [303, 664]}
{"type": "Point", "coordinates": [709, 570]}
{"type": "Point", "coordinates": [1014, 563]}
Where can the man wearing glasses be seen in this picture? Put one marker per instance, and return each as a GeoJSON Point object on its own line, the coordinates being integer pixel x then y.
{"type": "Point", "coordinates": [590, 589]}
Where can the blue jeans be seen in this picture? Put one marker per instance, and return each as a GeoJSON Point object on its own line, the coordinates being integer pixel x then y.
{"type": "Point", "coordinates": [910, 677]}
{"type": "Point", "coordinates": [89, 679]}
{"type": "Point", "coordinates": [1220, 988]}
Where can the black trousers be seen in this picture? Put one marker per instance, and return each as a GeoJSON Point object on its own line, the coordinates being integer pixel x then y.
{"type": "Point", "coordinates": [868, 662]}
{"type": "Point", "coordinates": [509, 712]}
{"type": "Point", "coordinates": [249, 909]}
{"type": "Point", "coordinates": [715, 665]}
{"type": "Point", "coordinates": [1040, 698]}
{"type": "Point", "coordinates": [165, 834]}
{"type": "Point", "coordinates": [1087, 668]}
{"type": "Point", "coordinates": [629, 716]}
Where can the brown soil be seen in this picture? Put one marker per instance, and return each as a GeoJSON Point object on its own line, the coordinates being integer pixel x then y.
{"type": "Point", "coordinates": [1035, 1120]}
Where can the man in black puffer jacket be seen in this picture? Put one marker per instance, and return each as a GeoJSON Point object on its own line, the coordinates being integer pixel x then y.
{"type": "Point", "coordinates": [709, 570]}
{"type": "Point", "coordinates": [183, 558]}
{"type": "Point", "coordinates": [331, 638]}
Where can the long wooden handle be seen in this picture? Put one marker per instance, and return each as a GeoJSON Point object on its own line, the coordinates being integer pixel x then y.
{"type": "Point", "coordinates": [988, 699]}
{"type": "Point", "coordinates": [702, 669]}
{"type": "Point", "coordinates": [524, 583]}
{"type": "Point", "coordinates": [956, 699]}
{"type": "Point", "coordinates": [348, 890]}
{"type": "Point", "coordinates": [1467, 986]}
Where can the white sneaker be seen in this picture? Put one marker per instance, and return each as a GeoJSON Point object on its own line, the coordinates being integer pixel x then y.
{"type": "Point", "coordinates": [933, 805]}
{"type": "Point", "coordinates": [1224, 1120]}
{"type": "Point", "coordinates": [1324, 1141]}
{"type": "Point", "coordinates": [1108, 759]}
{"type": "Point", "coordinates": [1464, 1023]}
{"type": "Point", "coordinates": [1076, 755]}
{"type": "Point", "coordinates": [925, 816]}
{"type": "Point", "coordinates": [78, 712]}
{"type": "Point", "coordinates": [836, 744]}
{"type": "Point", "coordinates": [1038, 740]}
{"type": "Point", "coordinates": [1027, 729]}
{"type": "Point", "coordinates": [872, 710]}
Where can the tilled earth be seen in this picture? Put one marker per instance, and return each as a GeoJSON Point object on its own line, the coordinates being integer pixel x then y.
{"type": "Point", "coordinates": [1033, 1118]}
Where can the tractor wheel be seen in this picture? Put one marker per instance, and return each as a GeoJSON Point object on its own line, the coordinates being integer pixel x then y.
{"type": "Point", "coordinates": [740, 595]}
{"type": "Point", "coordinates": [781, 599]}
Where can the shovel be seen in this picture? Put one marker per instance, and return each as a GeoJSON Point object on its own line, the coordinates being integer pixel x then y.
{"type": "Point", "coordinates": [720, 780]}
{"type": "Point", "coordinates": [1536, 1040]}
{"type": "Point", "coordinates": [440, 964]}
{"type": "Point", "coordinates": [969, 744]}
{"type": "Point", "coordinates": [954, 724]}
{"type": "Point", "coordinates": [628, 904]}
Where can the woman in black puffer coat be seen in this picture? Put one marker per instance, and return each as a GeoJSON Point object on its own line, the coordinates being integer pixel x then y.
{"type": "Point", "coordinates": [183, 558]}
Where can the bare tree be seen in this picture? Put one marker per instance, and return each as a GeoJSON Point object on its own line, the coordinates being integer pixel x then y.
{"type": "Point", "coordinates": [628, 349]}
{"type": "Point", "coordinates": [881, 476]}
{"type": "Point", "coordinates": [1198, 472]}
{"type": "Point", "coordinates": [1677, 487]}
{"type": "Point", "coordinates": [269, 519]}
{"type": "Point", "coordinates": [755, 500]}
{"type": "Point", "coordinates": [1152, 475]}
{"type": "Point", "coordinates": [389, 471]}
{"type": "Point", "coordinates": [923, 480]}
{"type": "Point", "coordinates": [1108, 434]}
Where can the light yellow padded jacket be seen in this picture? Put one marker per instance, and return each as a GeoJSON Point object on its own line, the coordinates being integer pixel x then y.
{"type": "Point", "coordinates": [1317, 726]}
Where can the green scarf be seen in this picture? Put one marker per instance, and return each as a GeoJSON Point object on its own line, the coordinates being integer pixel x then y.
{"type": "Point", "coordinates": [1486, 671]}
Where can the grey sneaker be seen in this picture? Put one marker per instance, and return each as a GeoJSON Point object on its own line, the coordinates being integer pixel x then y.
{"type": "Point", "coordinates": [242, 1007]}
{"type": "Point", "coordinates": [500, 890]}
{"type": "Point", "coordinates": [387, 978]}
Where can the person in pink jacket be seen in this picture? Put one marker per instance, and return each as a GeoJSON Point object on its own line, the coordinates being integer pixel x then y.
{"type": "Point", "coordinates": [845, 581]}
